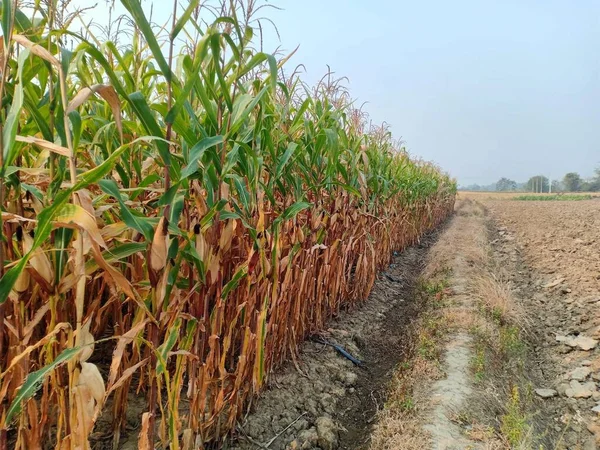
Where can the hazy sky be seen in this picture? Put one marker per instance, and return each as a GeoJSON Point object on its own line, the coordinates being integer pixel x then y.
{"type": "Point", "coordinates": [485, 89]}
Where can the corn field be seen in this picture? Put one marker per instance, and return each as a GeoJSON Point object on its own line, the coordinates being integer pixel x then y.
{"type": "Point", "coordinates": [179, 212]}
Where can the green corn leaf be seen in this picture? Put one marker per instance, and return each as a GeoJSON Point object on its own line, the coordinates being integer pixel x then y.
{"type": "Point", "coordinates": [243, 115]}
{"type": "Point", "coordinates": [239, 274]}
{"type": "Point", "coordinates": [134, 221]}
{"type": "Point", "coordinates": [293, 210]}
{"type": "Point", "coordinates": [192, 80]}
{"type": "Point", "coordinates": [167, 346]}
{"type": "Point", "coordinates": [196, 153]}
{"type": "Point", "coordinates": [207, 219]}
{"type": "Point", "coordinates": [183, 19]}
{"type": "Point", "coordinates": [7, 14]}
{"type": "Point", "coordinates": [144, 112]}
{"type": "Point", "coordinates": [283, 160]}
{"type": "Point", "coordinates": [135, 9]}
{"type": "Point", "coordinates": [215, 46]}
{"type": "Point", "coordinates": [125, 72]}
{"type": "Point", "coordinates": [22, 23]}
{"type": "Point", "coordinates": [35, 380]}
{"type": "Point", "coordinates": [12, 120]}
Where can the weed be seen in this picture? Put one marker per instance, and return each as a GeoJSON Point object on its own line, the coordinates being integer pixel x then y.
{"type": "Point", "coordinates": [428, 348]}
{"type": "Point", "coordinates": [435, 287]}
{"type": "Point", "coordinates": [514, 425]}
{"type": "Point", "coordinates": [479, 364]}
{"type": "Point", "coordinates": [497, 315]}
{"type": "Point", "coordinates": [408, 404]}
{"type": "Point", "coordinates": [511, 344]}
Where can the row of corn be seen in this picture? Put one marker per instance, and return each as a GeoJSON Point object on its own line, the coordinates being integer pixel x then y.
{"type": "Point", "coordinates": [176, 220]}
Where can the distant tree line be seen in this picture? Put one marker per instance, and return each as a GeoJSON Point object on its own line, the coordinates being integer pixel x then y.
{"type": "Point", "coordinates": [571, 182]}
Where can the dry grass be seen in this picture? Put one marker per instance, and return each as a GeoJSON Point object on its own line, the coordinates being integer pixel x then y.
{"type": "Point", "coordinates": [483, 303]}
{"type": "Point", "coordinates": [399, 425]}
{"type": "Point", "coordinates": [466, 239]}
{"type": "Point", "coordinates": [496, 297]}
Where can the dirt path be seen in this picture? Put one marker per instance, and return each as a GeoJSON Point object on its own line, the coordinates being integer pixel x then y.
{"type": "Point", "coordinates": [459, 348]}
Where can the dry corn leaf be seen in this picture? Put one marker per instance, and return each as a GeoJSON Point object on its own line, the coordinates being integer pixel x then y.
{"type": "Point", "coordinates": [70, 215]}
{"type": "Point", "coordinates": [47, 145]}
{"type": "Point", "coordinates": [127, 373]}
{"type": "Point", "coordinates": [36, 49]}
{"type": "Point", "coordinates": [86, 340]}
{"type": "Point", "coordinates": [39, 261]}
{"type": "Point", "coordinates": [214, 265]}
{"type": "Point", "coordinates": [22, 282]}
{"type": "Point", "coordinates": [144, 441]}
{"type": "Point", "coordinates": [201, 245]}
{"type": "Point", "coordinates": [84, 402]}
{"type": "Point", "coordinates": [120, 348]}
{"type": "Point", "coordinates": [39, 315]}
{"type": "Point", "coordinates": [1, 51]}
{"type": "Point", "coordinates": [58, 328]}
{"type": "Point", "coordinates": [188, 439]}
{"type": "Point", "coordinates": [108, 93]}
{"type": "Point", "coordinates": [227, 235]}
{"type": "Point", "coordinates": [113, 230]}
{"type": "Point", "coordinates": [15, 218]}
{"type": "Point", "coordinates": [120, 280]}
{"type": "Point", "coordinates": [91, 378]}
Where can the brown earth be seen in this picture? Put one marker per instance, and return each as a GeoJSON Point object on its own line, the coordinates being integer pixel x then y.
{"type": "Point", "coordinates": [560, 239]}
{"type": "Point", "coordinates": [556, 249]}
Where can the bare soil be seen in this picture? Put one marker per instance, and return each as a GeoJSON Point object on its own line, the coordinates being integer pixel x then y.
{"type": "Point", "coordinates": [554, 250]}
{"type": "Point", "coordinates": [558, 239]}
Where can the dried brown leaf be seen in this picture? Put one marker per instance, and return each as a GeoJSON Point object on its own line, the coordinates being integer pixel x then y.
{"type": "Point", "coordinates": [36, 49]}
{"type": "Point", "coordinates": [144, 440]}
{"type": "Point", "coordinates": [108, 93]}
{"type": "Point", "coordinates": [47, 145]}
{"type": "Point", "coordinates": [120, 348]}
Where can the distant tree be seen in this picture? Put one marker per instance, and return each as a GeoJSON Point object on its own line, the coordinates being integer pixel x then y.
{"type": "Point", "coordinates": [595, 184]}
{"type": "Point", "coordinates": [539, 183]}
{"type": "Point", "coordinates": [504, 184]}
{"type": "Point", "coordinates": [592, 184]}
{"type": "Point", "coordinates": [479, 188]}
{"type": "Point", "coordinates": [572, 182]}
{"type": "Point", "coordinates": [521, 186]}
{"type": "Point", "coordinates": [557, 186]}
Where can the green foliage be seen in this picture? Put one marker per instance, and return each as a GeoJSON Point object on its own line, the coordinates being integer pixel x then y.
{"type": "Point", "coordinates": [504, 184]}
{"type": "Point", "coordinates": [514, 426]}
{"type": "Point", "coordinates": [549, 198]}
{"type": "Point", "coordinates": [538, 184]}
{"type": "Point", "coordinates": [572, 182]}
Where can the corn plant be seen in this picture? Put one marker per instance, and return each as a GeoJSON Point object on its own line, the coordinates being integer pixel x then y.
{"type": "Point", "coordinates": [176, 220]}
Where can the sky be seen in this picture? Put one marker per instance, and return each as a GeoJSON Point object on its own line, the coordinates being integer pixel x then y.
{"type": "Point", "coordinates": [485, 89]}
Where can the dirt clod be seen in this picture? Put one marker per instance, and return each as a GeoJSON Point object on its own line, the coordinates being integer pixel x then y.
{"type": "Point", "coordinates": [327, 433]}
{"type": "Point", "coordinates": [578, 390]}
{"type": "Point", "coordinates": [546, 393]}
